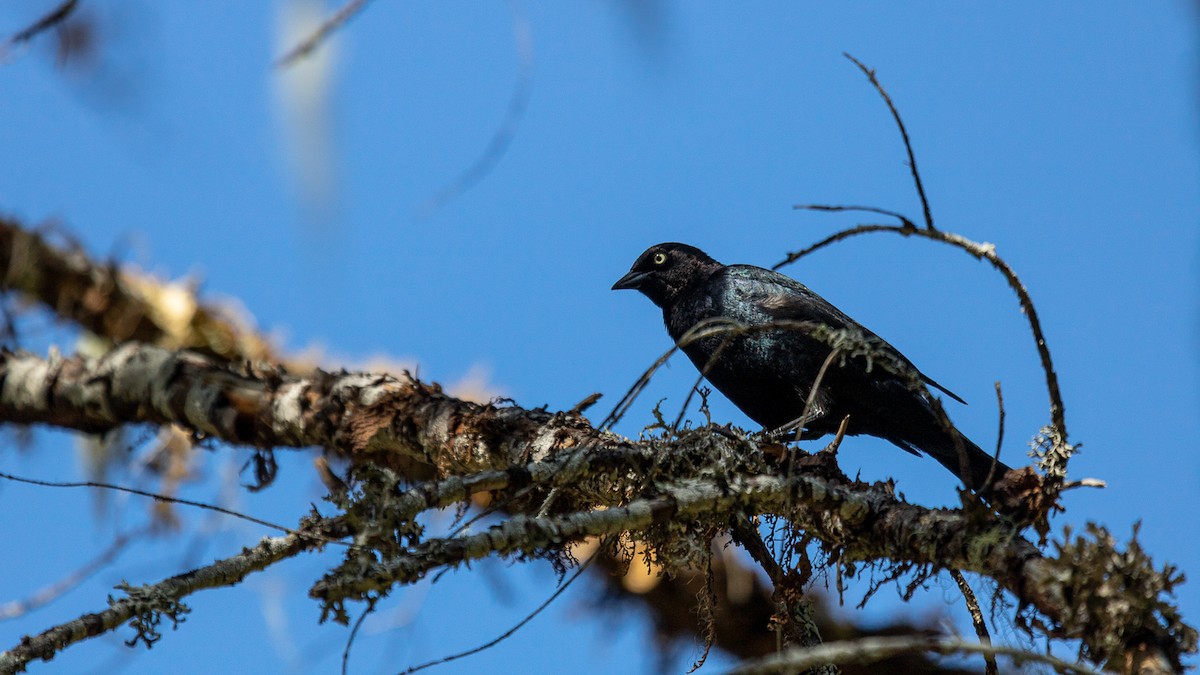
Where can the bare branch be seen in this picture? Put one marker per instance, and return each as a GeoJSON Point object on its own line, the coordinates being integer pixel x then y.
{"type": "Point", "coordinates": [980, 251]}
{"type": "Point", "coordinates": [904, 220]}
{"type": "Point", "coordinates": [1050, 445]}
{"type": "Point", "coordinates": [322, 33]}
{"type": "Point", "coordinates": [976, 620]}
{"type": "Point", "coordinates": [53, 18]}
{"type": "Point", "coordinates": [999, 430]}
{"type": "Point", "coordinates": [912, 158]}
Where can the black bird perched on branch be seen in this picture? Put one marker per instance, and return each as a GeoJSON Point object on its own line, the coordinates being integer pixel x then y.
{"type": "Point", "coordinates": [764, 339]}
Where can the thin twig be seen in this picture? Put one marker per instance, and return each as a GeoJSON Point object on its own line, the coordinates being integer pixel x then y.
{"type": "Point", "coordinates": [904, 220]}
{"type": "Point", "coordinates": [839, 236]}
{"type": "Point", "coordinates": [322, 33]}
{"type": "Point", "coordinates": [703, 329]}
{"type": "Point", "coordinates": [53, 18]}
{"type": "Point", "coordinates": [161, 498]}
{"type": "Point", "coordinates": [507, 131]}
{"type": "Point", "coordinates": [734, 330]}
{"type": "Point", "coordinates": [912, 158]}
{"type": "Point", "coordinates": [508, 633]}
{"type": "Point", "coordinates": [999, 433]}
{"type": "Point", "coordinates": [816, 387]}
{"type": "Point", "coordinates": [837, 438]}
{"type": "Point", "coordinates": [976, 620]}
{"type": "Point", "coordinates": [626, 402]}
{"type": "Point", "coordinates": [812, 397]}
{"type": "Point", "coordinates": [370, 608]}
{"type": "Point", "coordinates": [979, 251]}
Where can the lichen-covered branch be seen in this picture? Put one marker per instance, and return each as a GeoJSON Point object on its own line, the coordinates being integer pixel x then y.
{"type": "Point", "coordinates": [145, 606]}
{"type": "Point", "coordinates": [701, 476]}
{"type": "Point", "coordinates": [867, 523]}
{"type": "Point", "coordinates": [120, 305]}
{"type": "Point", "coordinates": [1093, 590]}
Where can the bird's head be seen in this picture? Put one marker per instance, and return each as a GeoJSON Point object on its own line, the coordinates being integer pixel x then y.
{"type": "Point", "coordinates": [665, 270]}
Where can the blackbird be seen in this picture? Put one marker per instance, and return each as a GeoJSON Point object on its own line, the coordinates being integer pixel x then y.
{"type": "Point", "coordinates": [768, 337]}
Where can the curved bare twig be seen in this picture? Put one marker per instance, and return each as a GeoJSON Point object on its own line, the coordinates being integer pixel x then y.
{"type": "Point", "coordinates": [980, 251]}
{"type": "Point", "coordinates": [507, 131]}
{"type": "Point", "coordinates": [912, 157]}
{"type": "Point", "coordinates": [51, 19]}
{"type": "Point", "coordinates": [1055, 449]}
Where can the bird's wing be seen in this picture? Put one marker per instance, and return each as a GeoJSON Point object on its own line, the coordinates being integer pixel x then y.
{"type": "Point", "coordinates": [784, 299]}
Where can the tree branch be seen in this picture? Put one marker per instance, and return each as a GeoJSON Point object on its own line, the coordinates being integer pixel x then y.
{"type": "Point", "coordinates": [378, 417]}
{"type": "Point", "coordinates": [1051, 443]}
{"type": "Point", "coordinates": [414, 428]}
{"type": "Point", "coordinates": [147, 604]}
{"type": "Point", "coordinates": [368, 417]}
{"type": "Point", "coordinates": [119, 304]}
{"type": "Point", "coordinates": [875, 649]}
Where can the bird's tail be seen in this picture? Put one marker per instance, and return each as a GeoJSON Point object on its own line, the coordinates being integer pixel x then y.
{"type": "Point", "coordinates": [977, 469]}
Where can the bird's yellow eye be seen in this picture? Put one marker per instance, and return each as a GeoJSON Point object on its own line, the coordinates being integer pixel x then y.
{"type": "Point", "coordinates": [660, 258]}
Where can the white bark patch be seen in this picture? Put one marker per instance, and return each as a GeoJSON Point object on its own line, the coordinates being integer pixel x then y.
{"type": "Point", "coordinates": [287, 410]}
{"type": "Point", "coordinates": [359, 387]}
{"type": "Point", "coordinates": [543, 444]}
{"type": "Point", "coordinates": [374, 390]}
{"type": "Point", "coordinates": [200, 407]}
{"type": "Point", "coordinates": [26, 384]}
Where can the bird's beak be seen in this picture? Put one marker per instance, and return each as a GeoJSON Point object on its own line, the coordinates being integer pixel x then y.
{"type": "Point", "coordinates": [632, 280]}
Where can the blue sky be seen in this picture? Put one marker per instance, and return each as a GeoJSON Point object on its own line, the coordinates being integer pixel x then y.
{"type": "Point", "coordinates": [1064, 134]}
